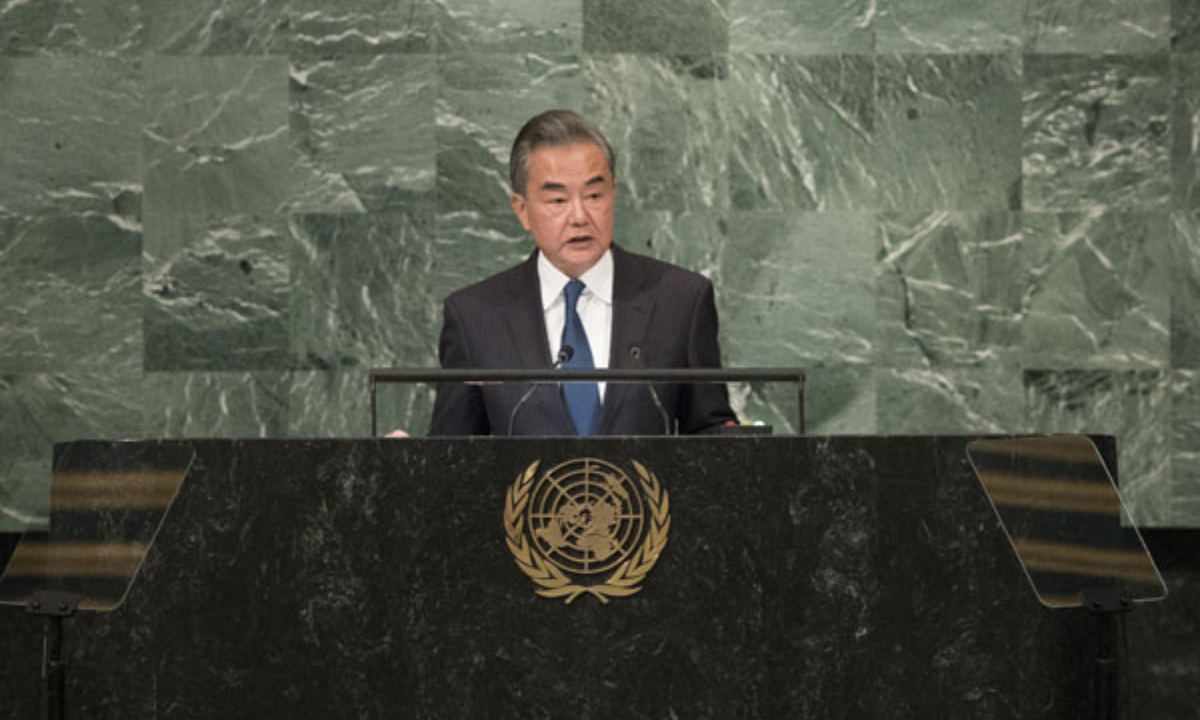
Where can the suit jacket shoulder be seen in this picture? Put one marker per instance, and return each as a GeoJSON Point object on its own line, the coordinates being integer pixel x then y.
{"type": "Point", "coordinates": [499, 288]}
{"type": "Point", "coordinates": [498, 322]}
{"type": "Point", "coordinates": [637, 272]}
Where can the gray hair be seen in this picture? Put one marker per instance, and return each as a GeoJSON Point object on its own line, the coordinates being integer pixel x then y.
{"type": "Point", "coordinates": [554, 128]}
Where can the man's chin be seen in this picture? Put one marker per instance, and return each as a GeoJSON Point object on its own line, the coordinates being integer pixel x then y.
{"type": "Point", "coordinates": [579, 257]}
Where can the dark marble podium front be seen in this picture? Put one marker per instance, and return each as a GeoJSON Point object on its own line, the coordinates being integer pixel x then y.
{"type": "Point", "coordinates": [840, 577]}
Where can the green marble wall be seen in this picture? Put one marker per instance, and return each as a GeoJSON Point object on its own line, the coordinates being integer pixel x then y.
{"type": "Point", "coordinates": [960, 215]}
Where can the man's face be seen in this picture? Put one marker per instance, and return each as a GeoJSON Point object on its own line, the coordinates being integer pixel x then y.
{"type": "Point", "coordinates": [568, 205]}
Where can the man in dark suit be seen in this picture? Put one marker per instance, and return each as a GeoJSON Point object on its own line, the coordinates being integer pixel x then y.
{"type": "Point", "coordinates": [579, 301]}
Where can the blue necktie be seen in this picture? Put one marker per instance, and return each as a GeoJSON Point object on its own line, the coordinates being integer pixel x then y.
{"type": "Point", "coordinates": [583, 398]}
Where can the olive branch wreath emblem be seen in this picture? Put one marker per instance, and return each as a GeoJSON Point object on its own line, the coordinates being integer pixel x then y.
{"type": "Point", "coordinates": [553, 582]}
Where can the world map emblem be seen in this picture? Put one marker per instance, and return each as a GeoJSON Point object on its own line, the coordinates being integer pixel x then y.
{"type": "Point", "coordinates": [586, 527]}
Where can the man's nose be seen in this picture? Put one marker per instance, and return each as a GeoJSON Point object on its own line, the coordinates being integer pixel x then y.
{"type": "Point", "coordinates": [577, 212]}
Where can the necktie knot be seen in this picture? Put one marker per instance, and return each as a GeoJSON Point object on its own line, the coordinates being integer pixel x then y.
{"type": "Point", "coordinates": [573, 290]}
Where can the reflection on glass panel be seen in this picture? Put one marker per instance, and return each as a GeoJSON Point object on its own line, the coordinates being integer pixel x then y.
{"type": "Point", "coordinates": [409, 407]}
{"type": "Point", "coordinates": [1064, 518]}
{"type": "Point", "coordinates": [771, 407]}
{"type": "Point", "coordinates": [107, 503]}
{"type": "Point", "coordinates": [775, 405]}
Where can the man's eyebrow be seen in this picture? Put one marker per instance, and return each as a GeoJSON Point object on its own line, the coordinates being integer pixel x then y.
{"type": "Point", "coordinates": [557, 186]}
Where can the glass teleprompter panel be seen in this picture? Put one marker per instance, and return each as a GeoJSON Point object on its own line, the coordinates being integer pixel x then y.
{"type": "Point", "coordinates": [107, 503]}
{"type": "Point", "coordinates": [1065, 520]}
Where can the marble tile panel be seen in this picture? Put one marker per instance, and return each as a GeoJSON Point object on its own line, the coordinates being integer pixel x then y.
{"type": "Point", "coordinates": [1185, 129]}
{"type": "Point", "coordinates": [802, 27]}
{"type": "Point", "coordinates": [362, 130]}
{"type": "Point", "coordinates": [800, 289]}
{"type": "Point", "coordinates": [216, 141]}
{"type": "Point", "coordinates": [47, 408]}
{"type": "Point", "coordinates": [839, 399]}
{"type": "Point", "coordinates": [802, 132]}
{"type": "Point", "coordinates": [217, 27]}
{"type": "Point", "coordinates": [1135, 406]}
{"type": "Point", "coordinates": [216, 292]}
{"type": "Point", "coordinates": [337, 404]}
{"type": "Point", "coordinates": [661, 115]}
{"type": "Point", "coordinates": [1095, 132]}
{"type": "Point", "coordinates": [950, 289]}
{"type": "Point", "coordinates": [948, 132]}
{"type": "Point", "coordinates": [1097, 26]}
{"type": "Point", "coordinates": [407, 407]}
{"type": "Point", "coordinates": [361, 314]}
{"type": "Point", "coordinates": [949, 400]}
{"type": "Point", "coordinates": [472, 246]}
{"type": "Point", "coordinates": [70, 289]}
{"type": "Point", "coordinates": [24, 492]}
{"type": "Point", "coordinates": [949, 26]}
{"type": "Point", "coordinates": [71, 27]}
{"type": "Point", "coordinates": [680, 27]}
{"type": "Point", "coordinates": [484, 100]}
{"type": "Point", "coordinates": [1185, 449]}
{"type": "Point", "coordinates": [320, 28]}
{"type": "Point", "coordinates": [1185, 26]}
{"type": "Point", "coordinates": [1185, 289]}
{"type": "Point", "coordinates": [69, 129]}
{"type": "Point", "coordinates": [38, 410]}
{"type": "Point", "coordinates": [354, 302]}
{"type": "Point", "coordinates": [1185, 511]}
{"type": "Point", "coordinates": [216, 404]}
{"type": "Point", "coordinates": [472, 26]}
{"type": "Point", "coordinates": [1099, 293]}
{"type": "Point", "coordinates": [771, 404]}
{"type": "Point", "coordinates": [694, 240]}
{"type": "Point", "coordinates": [328, 404]}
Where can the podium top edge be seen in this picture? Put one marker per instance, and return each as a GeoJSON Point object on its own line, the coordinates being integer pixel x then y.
{"type": "Point", "coordinates": [386, 375]}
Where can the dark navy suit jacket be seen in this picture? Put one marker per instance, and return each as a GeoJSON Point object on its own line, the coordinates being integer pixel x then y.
{"type": "Point", "coordinates": [663, 317]}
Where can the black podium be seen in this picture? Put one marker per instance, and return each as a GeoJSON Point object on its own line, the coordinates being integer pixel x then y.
{"type": "Point", "coordinates": [791, 577]}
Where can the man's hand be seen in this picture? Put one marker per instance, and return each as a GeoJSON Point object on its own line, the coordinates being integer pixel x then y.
{"type": "Point", "coordinates": [397, 434]}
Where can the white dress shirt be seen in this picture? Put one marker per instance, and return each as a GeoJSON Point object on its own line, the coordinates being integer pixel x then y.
{"type": "Point", "coordinates": [594, 307]}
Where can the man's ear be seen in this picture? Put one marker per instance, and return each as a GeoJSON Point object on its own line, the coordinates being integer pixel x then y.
{"type": "Point", "coordinates": [520, 208]}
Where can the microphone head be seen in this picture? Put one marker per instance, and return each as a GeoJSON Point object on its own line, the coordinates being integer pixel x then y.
{"type": "Point", "coordinates": [635, 352]}
{"type": "Point", "coordinates": [565, 354]}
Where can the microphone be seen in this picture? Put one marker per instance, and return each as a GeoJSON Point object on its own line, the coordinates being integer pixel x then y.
{"type": "Point", "coordinates": [564, 356]}
{"type": "Point", "coordinates": [635, 353]}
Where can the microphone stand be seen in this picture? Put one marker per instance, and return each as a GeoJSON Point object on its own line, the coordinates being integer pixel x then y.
{"type": "Point", "coordinates": [53, 607]}
{"type": "Point", "coordinates": [794, 376]}
{"type": "Point", "coordinates": [635, 352]}
{"type": "Point", "coordinates": [1109, 608]}
{"type": "Point", "coordinates": [564, 356]}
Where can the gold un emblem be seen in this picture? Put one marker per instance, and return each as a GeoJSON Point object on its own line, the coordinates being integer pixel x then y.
{"type": "Point", "coordinates": [584, 527]}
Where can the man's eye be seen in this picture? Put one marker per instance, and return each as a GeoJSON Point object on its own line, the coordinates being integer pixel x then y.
{"type": "Point", "coordinates": [595, 196]}
{"type": "Point", "coordinates": [557, 201]}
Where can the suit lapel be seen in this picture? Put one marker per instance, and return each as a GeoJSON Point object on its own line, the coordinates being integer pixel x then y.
{"type": "Point", "coordinates": [527, 325]}
{"type": "Point", "coordinates": [632, 309]}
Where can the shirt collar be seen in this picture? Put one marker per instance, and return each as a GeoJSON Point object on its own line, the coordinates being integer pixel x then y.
{"type": "Point", "coordinates": [598, 279]}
